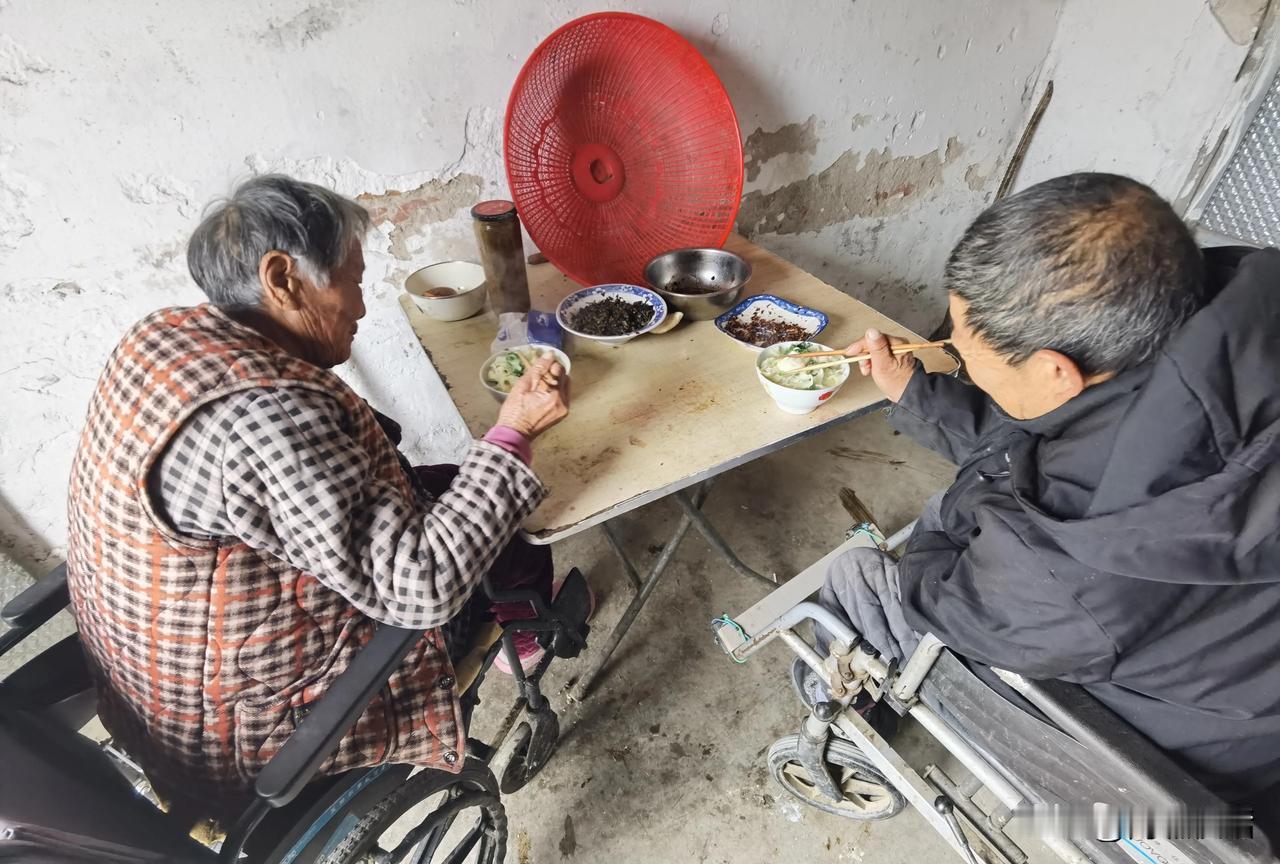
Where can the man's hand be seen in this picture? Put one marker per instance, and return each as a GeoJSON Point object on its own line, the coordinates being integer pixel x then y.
{"type": "Point", "coordinates": [891, 373]}
{"type": "Point", "coordinates": [538, 401]}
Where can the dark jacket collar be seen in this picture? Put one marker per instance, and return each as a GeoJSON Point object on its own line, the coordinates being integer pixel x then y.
{"type": "Point", "coordinates": [1095, 398]}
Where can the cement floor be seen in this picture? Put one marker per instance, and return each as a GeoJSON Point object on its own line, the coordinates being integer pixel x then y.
{"type": "Point", "coordinates": [665, 761]}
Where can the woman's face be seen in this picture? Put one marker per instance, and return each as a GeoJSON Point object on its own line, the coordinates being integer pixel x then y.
{"type": "Point", "coordinates": [321, 323]}
{"type": "Point", "coordinates": [332, 313]}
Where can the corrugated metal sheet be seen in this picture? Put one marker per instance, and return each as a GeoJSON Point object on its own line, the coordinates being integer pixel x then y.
{"type": "Point", "coordinates": [1246, 202]}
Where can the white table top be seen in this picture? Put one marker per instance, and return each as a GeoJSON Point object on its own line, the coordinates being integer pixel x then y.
{"type": "Point", "coordinates": [662, 412]}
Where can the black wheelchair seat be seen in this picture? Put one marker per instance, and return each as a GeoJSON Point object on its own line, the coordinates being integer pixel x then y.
{"type": "Point", "coordinates": [65, 800]}
{"type": "Point", "coordinates": [55, 684]}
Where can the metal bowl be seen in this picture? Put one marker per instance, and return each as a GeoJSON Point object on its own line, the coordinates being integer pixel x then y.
{"type": "Point", "coordinates": [722, 271]}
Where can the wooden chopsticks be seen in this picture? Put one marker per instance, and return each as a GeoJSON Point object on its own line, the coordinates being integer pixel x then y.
{"type": "Point", "coordinates": [905, 348]}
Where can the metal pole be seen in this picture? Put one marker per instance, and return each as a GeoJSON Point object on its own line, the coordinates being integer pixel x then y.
{"type": "Point", "coordinates": [580, 690]}
{"type": "Point", "coordinates": [716, 542]}
{"type": "Point", "coordinates": [615, 541]}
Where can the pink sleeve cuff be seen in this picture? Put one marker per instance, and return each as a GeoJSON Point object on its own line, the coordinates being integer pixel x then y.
{"type": "Point", "coordinates": [511, 441]}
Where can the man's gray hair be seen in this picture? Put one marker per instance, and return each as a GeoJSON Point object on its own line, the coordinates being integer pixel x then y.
{"type": "Point", "coordinates": [1095, 266]}
{"type": "Point", "coordinates": [316, 226]}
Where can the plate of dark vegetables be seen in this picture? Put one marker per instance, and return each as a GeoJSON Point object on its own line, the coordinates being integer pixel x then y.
{"type": "Point", "coordinates": [765, 320]}
{"type": "Point", "coordinates": [611, 314]}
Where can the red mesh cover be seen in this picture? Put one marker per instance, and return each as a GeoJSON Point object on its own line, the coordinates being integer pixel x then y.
{"type": "Point", "coordinates": [621, 144]}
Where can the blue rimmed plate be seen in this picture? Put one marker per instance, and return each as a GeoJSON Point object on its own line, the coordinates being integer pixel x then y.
{"type": "Point", "coordinates": [767, 307]}
{"type": "Point", "coordinates": [574, 303]}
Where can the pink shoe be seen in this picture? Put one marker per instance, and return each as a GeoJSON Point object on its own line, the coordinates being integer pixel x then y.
{"type": "Point", "coordinates": [527, 647]}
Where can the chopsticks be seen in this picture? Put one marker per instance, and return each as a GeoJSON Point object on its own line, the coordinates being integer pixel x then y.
{"type": "Point", "coordinates": [905, 348]}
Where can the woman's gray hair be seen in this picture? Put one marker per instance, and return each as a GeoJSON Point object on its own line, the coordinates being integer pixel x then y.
{"type": "Point", "coordinates": [316, 226]}
{"type": "Point", "coordinates": [1096, 266]}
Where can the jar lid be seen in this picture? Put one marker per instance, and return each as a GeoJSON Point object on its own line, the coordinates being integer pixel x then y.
{"type": "Point", "coordinates": [493, 211]}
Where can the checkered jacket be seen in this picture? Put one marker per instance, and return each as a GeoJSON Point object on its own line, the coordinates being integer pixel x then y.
{"type": "Point", "coordinates": [207, 651]}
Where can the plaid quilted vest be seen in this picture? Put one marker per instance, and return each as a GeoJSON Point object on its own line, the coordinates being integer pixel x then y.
{"type": "Point", "coordinates": [207, 653]}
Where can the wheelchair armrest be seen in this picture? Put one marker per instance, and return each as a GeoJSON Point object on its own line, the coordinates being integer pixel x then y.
{"type": "Point", "coordinates": [297, 761]}
{"type": "Point", "coordinates": [513, 595]}
{"type": "Point", "coordinates": [38, 602]}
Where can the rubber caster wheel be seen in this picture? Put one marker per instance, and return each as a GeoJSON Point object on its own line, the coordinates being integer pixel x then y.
{"type": "Point", "coordinates": [527, 748]}
{"type": "Point", "coordinates": [868, 796]}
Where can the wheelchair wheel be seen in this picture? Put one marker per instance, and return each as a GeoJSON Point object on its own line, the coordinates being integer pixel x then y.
{"type": "Point", "coordinates": [432, 818]}
{"type": "Point", "coordinates": [868, 796]}
{"type": "Point", "coordinates": [526, 749]}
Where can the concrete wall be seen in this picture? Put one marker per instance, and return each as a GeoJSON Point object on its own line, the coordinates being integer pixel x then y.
{"type": "Point", "coordinates": [1146, 88]}
{"type": "Point", "coordinates": [873, 132]}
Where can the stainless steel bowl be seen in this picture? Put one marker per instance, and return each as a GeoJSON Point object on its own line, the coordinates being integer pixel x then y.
{"type": "Point", "coordinates": [723, 271]}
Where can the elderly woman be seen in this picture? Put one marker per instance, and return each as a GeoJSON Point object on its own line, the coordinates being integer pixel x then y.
{"type": "Point", "coordinates": [240, 518]}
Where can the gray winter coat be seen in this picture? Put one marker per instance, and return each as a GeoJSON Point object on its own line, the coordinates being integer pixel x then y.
{"type": "Point", "coordinates": [1128, 540]}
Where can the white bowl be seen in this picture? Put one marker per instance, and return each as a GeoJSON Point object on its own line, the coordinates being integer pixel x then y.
{"type": "Point", "coordinates": [791, 400]}
{"type": "Point", "coordinates": [546, 349]}
{"type": "Point", "coordinates": [463, 277]}
{"type": "Point", "coordinates": [570, 305]}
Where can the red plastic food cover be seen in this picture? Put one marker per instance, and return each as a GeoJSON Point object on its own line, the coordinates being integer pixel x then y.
{"type": "Point", "coordinates": [621, 144]}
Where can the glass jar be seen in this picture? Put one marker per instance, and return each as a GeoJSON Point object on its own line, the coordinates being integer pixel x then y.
{"type": "Point", "coordinates": [497, 230]}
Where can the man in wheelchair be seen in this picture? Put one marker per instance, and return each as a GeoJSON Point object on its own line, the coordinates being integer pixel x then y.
{"type": "Point", "coordinates": [1113, 521]}
{"type": "Point", "coordinates": [243, 528]}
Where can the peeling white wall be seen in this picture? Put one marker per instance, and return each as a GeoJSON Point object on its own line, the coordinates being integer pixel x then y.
{"type": "Point", "coordinates": [1144, 88]}
{"type": "Point", "coordinates": [118, 122]}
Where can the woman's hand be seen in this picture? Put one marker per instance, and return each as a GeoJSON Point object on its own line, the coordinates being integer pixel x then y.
{"type": "Point", "coordinates": [538, 401]}
{"type": "Point", "coordinates": [891, 373]}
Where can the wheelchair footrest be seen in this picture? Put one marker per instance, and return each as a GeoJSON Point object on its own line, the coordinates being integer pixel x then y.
{"type": "Point", "coordinates": [572, 605]}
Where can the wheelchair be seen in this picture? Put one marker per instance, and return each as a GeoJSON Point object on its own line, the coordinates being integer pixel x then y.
{"type": "Point", "coordinates": [65, 798]}
{"type": "Point", "coordinates": [1038, 754]}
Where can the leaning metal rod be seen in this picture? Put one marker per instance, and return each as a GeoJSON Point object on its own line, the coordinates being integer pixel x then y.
{"type": "Point", "coordinates": [716, 542]}
{"type": "Point", "coordinates": [580, 690]}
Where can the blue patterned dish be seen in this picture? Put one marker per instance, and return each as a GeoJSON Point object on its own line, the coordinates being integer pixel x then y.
{"type": "Point", "coordinates": [771, 308]}
{"type": "Point", "coordinates": [570, 305]}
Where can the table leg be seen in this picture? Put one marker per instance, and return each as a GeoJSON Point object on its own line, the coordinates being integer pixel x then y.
{"type": "Point", "coordinates": [627, 567]}
{"type": "Point", "coordinates": [694, 513]}
{"type": "Point", "coordinates": [580, 690]}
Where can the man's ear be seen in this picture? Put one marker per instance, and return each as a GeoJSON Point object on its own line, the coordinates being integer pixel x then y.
{"type": "Point", "coordinates": [281, 285]}
{"type": "Point", "coordinates": [1058, 374]}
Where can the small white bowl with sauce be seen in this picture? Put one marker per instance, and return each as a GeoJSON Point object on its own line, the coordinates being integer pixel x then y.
{"type": "Point", "coordinates": [448, 291]}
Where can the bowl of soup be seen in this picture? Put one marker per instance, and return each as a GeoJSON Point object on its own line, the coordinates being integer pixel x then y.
{"type": "Point", "coordinates": [447, 291]}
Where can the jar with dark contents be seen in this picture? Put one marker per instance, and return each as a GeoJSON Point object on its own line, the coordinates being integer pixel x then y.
{"type": "Point", "coordinates": [497, 230]}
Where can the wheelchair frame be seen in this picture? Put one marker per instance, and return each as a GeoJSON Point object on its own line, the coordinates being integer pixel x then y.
{"type": "Point", "coordinates": [853, 666]}
{"type": "Point", "coordinates": [317, 735]}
